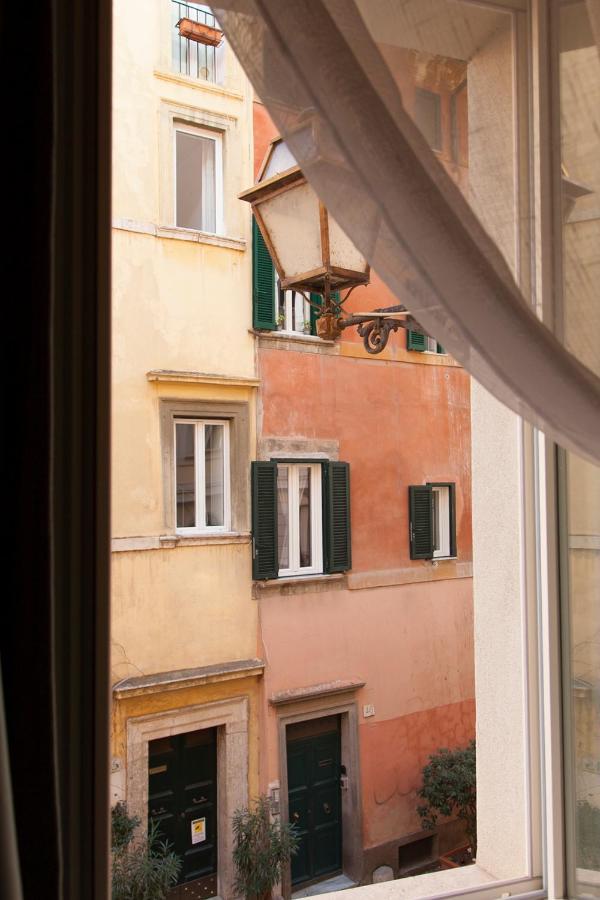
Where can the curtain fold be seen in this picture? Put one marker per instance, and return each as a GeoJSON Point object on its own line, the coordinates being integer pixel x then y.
{"type": "Point", "coordinates": [324, 79]}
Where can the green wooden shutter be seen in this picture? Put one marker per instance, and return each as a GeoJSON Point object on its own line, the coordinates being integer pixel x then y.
{"type": "Point", "coordinates": [337, 542]}
{"type": "Point", "coordinates": [314, 313]}
{"type": "Point", "coordinates": [420, 502]}
{"type": "Point", "coordinates": [416, 341]}
{"type": "Point", "coordinates": [264, 520]}
{"type": "Point", "coordinates": [263, 283]}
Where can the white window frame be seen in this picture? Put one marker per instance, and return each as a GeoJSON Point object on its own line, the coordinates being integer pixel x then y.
{"type": "Point", "coordinates": [292, 300]}
{"type": "Point", "coordinates": [316, 516]}
{"type": "Point", "coordinates": [200, 478]}
{"type": "Point", "coordinates": [217, 138]}
{"type": "Point", "coordinates": [441, 521]}
{"type": "Point", "coordinates": [431, 345]}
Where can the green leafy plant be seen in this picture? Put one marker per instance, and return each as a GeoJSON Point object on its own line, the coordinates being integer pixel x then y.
{"type": "Point", "coordinates": [143, 866]}
{"type": "Point", "coordinates": [449, 789]}
{"type": "Point", "coordinates": [261, 847]}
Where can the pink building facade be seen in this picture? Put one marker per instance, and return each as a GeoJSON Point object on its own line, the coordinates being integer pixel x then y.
{"type": "Point", "coordinates": [367, 637]}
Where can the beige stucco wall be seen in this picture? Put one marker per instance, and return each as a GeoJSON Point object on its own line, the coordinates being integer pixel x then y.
{"type": "Point", "coordinates": [181, 301]}
{"type": "Point", "coordinates": [498, 564]}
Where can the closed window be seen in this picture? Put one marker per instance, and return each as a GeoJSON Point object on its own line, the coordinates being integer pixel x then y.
{"type": "Point", "coordinates": [202, 475]}
{"type": "Point", "coordinates": [198, 179]}
{"type": "Point", "coordinates": [432, 510]}
{"type": "Point", "coordinates": [300, 518]}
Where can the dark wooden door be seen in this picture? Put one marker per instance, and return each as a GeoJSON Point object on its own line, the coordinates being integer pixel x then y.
{"type": "Point", "coordinates": [182, 799]}
{"type": "Point", "coordinates": [313, 762]}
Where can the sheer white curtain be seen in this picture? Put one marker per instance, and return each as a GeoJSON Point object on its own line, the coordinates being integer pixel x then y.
{"type": "Point", "coordinates": [319, 67]}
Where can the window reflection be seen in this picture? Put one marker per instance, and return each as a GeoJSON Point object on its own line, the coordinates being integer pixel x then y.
{"type": "Point", "coordinates": [580, 329]}
{"type": "Point", "coordinates": [185, 476]}
{"type": "Point", "coordinates": [304, 516]}
{"type": "Point", "coordinates": [283, 517]}
{"type": "Point", "coordinates": [214, 474]}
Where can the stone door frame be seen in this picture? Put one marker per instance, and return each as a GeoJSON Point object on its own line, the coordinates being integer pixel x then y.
{"type": "Point", "coordinates": [317, 708]}
{"type": "Point", "coordinates": [230, 718]}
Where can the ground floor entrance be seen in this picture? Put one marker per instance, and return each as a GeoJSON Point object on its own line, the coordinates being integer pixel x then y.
{"type": "Point", "coordinates": [314, 797]}
{"type": "Point", "coordinates": [182, 801]}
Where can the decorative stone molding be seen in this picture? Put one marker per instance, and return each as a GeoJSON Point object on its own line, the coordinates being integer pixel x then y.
{"type": "Point", "coordinates": [230, 717]}
{"type": "Point", "coordinates": [173, 376]}
{"type": "Point", "coordinates": [187, 678]}
{"type": "Point", "coordinates": [325, 689]}
{"type": "Point", "coordinates": [298, 448]}
{"type": "Point", "coordinates": [301, 709]}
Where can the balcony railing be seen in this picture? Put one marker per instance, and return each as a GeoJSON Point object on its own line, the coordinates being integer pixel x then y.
{"type": "Point", "coordinates": [190, 57]}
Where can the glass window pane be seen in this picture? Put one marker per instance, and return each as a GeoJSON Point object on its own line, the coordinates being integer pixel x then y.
{"type": "Point", "coordinates": [283, 517]}
{"type": "Point", "coordinates": [436, 518]}
{"type": "Point", "coordinates": [579, 73]}
{"type": "Point", "coordinates": [280, 306]}
{"type": "Point", "coordinates": [214, 474]}
{"type": "Point", "coordinates": [185, 475]}
{"type": "Point", "coordinates": [298, 311]}
{"type": "Point", "coordinates": [428, 117]}
{"type": "Point", "coordinates": [195, 166]}
{"type": "Point", "coordinates": [304, 513]}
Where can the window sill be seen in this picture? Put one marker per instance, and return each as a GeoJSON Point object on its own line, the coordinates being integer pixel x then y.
{"type": "Point", "coordinates": [174, 233]}
{"type": "Point", "coordinates": [427, 885]}
{"type": "Point", "coordinates": [299, 584]}
{"type": "Point", "coordinates": [200, 539]}
{"type": "Point", "coordinates": [294, 340]}
{"type": "Point", "coordinates": [167, 541]}
{"type": "Point", "coordinates": [211, 87]}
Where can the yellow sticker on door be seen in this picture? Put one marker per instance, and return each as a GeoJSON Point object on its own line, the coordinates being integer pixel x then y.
{"type": "Point", "coordinates": [198, 831]}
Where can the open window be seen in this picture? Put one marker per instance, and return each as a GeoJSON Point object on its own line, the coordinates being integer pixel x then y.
{"type": "Point", "coordinates": [198, 179]}
{"type": "Point", "coordinates": [300, 518]}
{"type": "Point", "coordinates": [432, 520]}
{"type": "Point", "coordinates": [273, 308]}
{"type": "Point", "coordinates": [422, 343]}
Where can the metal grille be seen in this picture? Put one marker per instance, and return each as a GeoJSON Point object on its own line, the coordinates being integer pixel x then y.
{"type": "Point", "coordinates": [190, 57]}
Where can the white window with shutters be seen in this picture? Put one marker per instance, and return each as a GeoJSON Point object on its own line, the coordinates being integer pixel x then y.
{"type": "Point", "coordinates": [299, 519]}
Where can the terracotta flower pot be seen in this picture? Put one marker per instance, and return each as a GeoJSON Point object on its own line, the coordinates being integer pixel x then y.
{"type": "Point", "coordinates": [199, 32]}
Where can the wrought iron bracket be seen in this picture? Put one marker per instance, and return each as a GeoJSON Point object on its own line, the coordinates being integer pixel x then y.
{"type": "Point", "coordinates": [375, 328]}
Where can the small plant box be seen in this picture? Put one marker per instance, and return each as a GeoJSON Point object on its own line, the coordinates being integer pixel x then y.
{"type": "Point", "coordinates": [199, 32]}
{"type": "Point", "coordinates": [454, 859]}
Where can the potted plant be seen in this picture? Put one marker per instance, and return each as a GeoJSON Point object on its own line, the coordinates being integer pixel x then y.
{"type": "Point", "coordinates": [449, 789]}
{"type": "Point", "coordinates": [261, 848]}
{"type": "Point", "coordinates": [143, 866]}
{"type": "Point", "coordinates": [307, 326]}
{"type": "Point", "coordinates": [280, 321]}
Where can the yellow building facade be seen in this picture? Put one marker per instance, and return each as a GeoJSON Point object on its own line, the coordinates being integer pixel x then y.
{"type": "Point", "coordinates": [185, 671]}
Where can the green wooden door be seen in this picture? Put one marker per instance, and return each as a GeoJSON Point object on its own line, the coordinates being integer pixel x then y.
{"type": "Point", "coordinates": [313, 764]}
{"type": "Point", "coordinates": [182, 799]}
